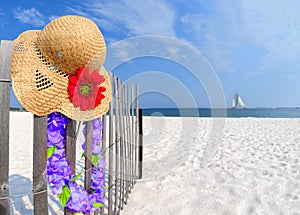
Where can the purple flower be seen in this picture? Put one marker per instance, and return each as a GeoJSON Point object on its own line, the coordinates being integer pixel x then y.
{"type": "Point", "coordinates": [55, 138]}
{"type": "Point", "coordinates": [96, 136]}
{"type": "Point", "coordinates": [59, 171]}
{"type": "Point", "coordinates": [79, 200]}
{"type": "Point", "coordinates": [97, 178]}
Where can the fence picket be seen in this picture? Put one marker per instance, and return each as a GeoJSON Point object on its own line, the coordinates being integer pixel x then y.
{"type": "Point", "coordinates": [117, 144]}
{"type": "Point", "coordinates": [40, 198]}
{"type": "Point", "coordinates": [122, 148]}
{"type": "Point", "coordinates": [132, 136]}
{"type": "Point", "coordinates": [140, 160]}
{"type": "Point", "coordinates": [110, 160]}
{"type": "Point", "coordinates": [104, 147]}
{"type": "Point", "coordinates": [71, 150]}
{"type": "Point", "coordinates": [5, 64]}
{"type": "Point", "coordinates": [128, 143]}
{"type": "Point", "coordinates": [136, 132]}
{"type": "Point", "coordinates": [88, 156]}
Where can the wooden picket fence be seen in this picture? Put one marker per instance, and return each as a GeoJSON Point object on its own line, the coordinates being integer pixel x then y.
{"type": "Point", "coordinates": [122, 145]}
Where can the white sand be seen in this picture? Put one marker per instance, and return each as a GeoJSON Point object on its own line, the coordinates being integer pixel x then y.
{"type": "Point", "coordinates": [254, 168]}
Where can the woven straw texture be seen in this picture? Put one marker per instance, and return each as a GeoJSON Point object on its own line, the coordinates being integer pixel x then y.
{"type": "Point", "coordinates": [43, 60]}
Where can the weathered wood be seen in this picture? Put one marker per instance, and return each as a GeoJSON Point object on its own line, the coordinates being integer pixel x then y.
{"type": "Point", "coordinates": [117, 143]}
{"type": "Point", "coordinates": [131, 103]}
{"type": "Point", "coordinates": [71, 150]}
{"type": "Point", "coordinates": [122, 146]}
{"type": "Point", "coordinates": [71, 144]}
{"type": "Point", "coordinates": [140, 160]}
{"type": "Point", "coordinates": [136, 131]}
{"type": "Point", "coordinates": [129, 138]}
{"type": "Point", "coordinates": [127, 142]}
{"type": "Point", "coordinates": [125, 152]}
{"type": "Point", "coordinates": [40, 197]}
{"type": "Point", "coordinates": [88, 157]}
{"type": "Point", "coordinates": [5, 65]}
{"type": "Point", "coordinates": [110, 159]}
{"type": "Point", "coordinates": [103, 146]}
{"type": "Point", "coordinates": [6, 50]}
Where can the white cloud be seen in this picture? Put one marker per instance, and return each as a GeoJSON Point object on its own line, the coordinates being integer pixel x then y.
{"type": "Point", "coordinates": [29, 16]}
{"type": "Point", "coordinates": [133, 17]}
{"type": "Point", "coordinates": [271, 26]}
{"type": "Point", "coordinates": [2, 23]}
{"type": "Point", "coordinates": [216, 29]}
{"type": "Point", "coordinates": [52, 17]}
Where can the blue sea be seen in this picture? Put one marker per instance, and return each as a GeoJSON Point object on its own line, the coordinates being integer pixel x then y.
{"type": "Point", "coordinates": [229, 112]}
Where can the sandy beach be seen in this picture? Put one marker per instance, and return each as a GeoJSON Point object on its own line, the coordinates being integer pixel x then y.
{"type": "Point", "coordinates": [192, 166]}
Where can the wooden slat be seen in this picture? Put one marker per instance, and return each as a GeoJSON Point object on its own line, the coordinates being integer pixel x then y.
{"type": "Point", "coordinates": [127, 142]}
{"type": "Point", "coordinates": [40, 197]}
{"type": "Point", "coordinates": [117, 143]}
{"type": "Point", "coordinates": [103, 146]}
{"type": "Point", "coordinates": [110, 159]}
{"type": "Point", "coordinates": [131, 103]}
{"type": "Point", "coordinates": [71, 144]}
{"type": "Point", "coordinates": [129, 136]}
{"type": "Point", "coordinates": [71, 150]}
{"type": "Point", "coordinates": [140, 159]}
{"type": "Point", "coordinates": [128, 139]}
{"type": "Point", "coordinates": [125, 145]}
{"type": "Point", "coordinates": [136, 131]}
{"type": "Point", "coordinates": [122, 148]}
{"type": "Point", "coordinates": [5, 65]}
{"type": "Point", "coordinates": [88, 156]}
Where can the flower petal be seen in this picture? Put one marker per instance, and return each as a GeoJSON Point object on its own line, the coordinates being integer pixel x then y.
{"type": "Point", "coordinates": [84, 105]}
{"type": "Point", "coordinates": [97, 78]}
{"type": "Point", "coordinates": [86, 74]}
{"type": "Point", "coordinates": [102, 89]}
{"type": "Point", "coordinates": [76, 100]}
{"type": "Point", "coordinates": [73, 80]}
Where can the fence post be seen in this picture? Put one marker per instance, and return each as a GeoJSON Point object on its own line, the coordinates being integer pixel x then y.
{"type": "Point", "coordinates": [71, 150]}
{"type": "Point", "coordinates": [104, 147]}
{"type": "Point", "coordinates": [136, 133]}
{"type": "Point", "coordinates": [88, 155]}
{"type": "Point", "coordinates": [5, 65]}
{"type": "Point", "coordinates": [140, 162]}
{"type": "Point", "coordinates": [40, 195]}
{"type": "Point", "coordinates": [110, 161]}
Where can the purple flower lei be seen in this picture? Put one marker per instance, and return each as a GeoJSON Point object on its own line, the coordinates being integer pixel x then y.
{"type": "Point", "coordinates": [59, 174]}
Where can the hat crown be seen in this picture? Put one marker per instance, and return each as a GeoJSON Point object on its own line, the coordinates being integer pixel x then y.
{"type": "Point", "coordinates": [70, 42]}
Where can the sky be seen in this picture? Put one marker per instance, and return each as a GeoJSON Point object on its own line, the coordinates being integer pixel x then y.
{"type": "Point", "coordinates": [252, 47]}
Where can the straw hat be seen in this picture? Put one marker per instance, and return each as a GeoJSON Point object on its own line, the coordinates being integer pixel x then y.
{"type": "Point", "coordinates": [70, 50]}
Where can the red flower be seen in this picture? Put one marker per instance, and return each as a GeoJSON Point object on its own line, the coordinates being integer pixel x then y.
{"type": "Point", "coordinates": [84, 89]}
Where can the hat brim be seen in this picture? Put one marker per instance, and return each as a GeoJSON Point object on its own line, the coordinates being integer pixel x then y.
{"type": "Point", "coordinates": [42, 89]}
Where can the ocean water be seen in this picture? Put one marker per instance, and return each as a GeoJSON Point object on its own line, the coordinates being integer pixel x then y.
{"type": "Point", "coordinates": [229, 112]}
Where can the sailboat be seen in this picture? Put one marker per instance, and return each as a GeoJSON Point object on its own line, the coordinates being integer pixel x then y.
{"type": "Point", "coordinates": [237, 102]}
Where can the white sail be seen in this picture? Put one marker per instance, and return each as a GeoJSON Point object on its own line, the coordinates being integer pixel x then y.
{"type": "Point", "coordinates": [237, 102]}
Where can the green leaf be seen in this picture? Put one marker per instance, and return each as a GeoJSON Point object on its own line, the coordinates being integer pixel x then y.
{"type": "Point", "coordinates": [95, 160]}
{"type": "Point", "coordinates": [64, 197]}
{"type": "Point", "coordinates": [50, 151]}
{"type": "Point", "coordinates": [82, 155]}
{"type": "Point", "coordinates": [97, 205]}
{"type": "Point", "coordinates": [77, 176]}
{"type": "Point", "coordinates": [104, 186]}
